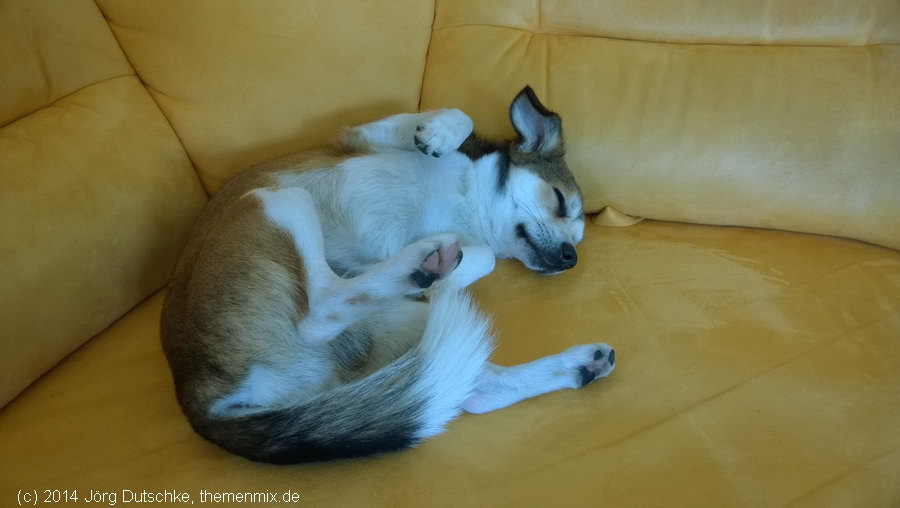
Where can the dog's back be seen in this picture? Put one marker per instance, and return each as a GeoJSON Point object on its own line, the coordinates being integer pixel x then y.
{"type": "Point", "coordinates": [246, 283]}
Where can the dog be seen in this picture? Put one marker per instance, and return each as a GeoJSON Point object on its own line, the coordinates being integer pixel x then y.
{"type": "Point", "coordinates": [319, 311]}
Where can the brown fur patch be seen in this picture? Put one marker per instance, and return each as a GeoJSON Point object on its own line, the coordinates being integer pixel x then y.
{"type": "Point", "coordinates": [360, 298]}
{"type": "Point", "coordinates": [240, 281]}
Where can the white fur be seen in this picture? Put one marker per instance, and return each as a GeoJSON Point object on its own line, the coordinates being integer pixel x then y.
{"type": "Point", "coordinates": [443, 132]}
{"type": "Point", "coordinates": [294, 210]}
{"type": "Point", "coordinates": [266, 387]}
{"type": "Point", "coordinates": [378, 217]}
{"type": "Point", "coordinates": [499, 386]}
{"type": "Point", "coordinates": [455, 347]}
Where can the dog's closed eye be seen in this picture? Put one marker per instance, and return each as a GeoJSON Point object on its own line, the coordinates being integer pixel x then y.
{"type": "Point", "coordinates": [561, 210]}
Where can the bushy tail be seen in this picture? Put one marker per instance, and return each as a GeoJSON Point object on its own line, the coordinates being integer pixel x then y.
{"type": "Point", "coordinates": [408, 400]}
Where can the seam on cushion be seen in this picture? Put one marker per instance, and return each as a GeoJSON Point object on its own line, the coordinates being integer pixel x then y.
{"type": "Point", "coordinates": [42, 66]}
{"type": "Point", "coordinates": [831, 481]}
{"type": "Point", "coordinates": [427, 52]}
{"type": "Point", "coordinates": [547, 50]}
{"type": "Point", "coordinates": [540, 24]}
{"type": "Point", "coordinates": [73, 92]}
{"type": "Point", "coordinates": [146, 89]}
{"type": "Point", "coordinates": [80, 346]}
{"type": "Point", "coordinates": [649, 41]}
{"type": "Point", "coordinates": [782, 229]}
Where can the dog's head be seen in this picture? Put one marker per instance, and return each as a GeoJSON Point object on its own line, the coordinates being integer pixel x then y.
{"type": "Point", "coordinates": [544, 218]}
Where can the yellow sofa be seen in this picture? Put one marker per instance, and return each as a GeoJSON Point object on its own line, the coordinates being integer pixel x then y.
{"type": "Point", "coordinates": [757, 367]}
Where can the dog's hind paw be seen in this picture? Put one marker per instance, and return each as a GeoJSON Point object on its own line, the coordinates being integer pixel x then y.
{"type": "Point", "coordinates": [437, 265]}
{"type": "Point", "coordinates": [478, 261]}
{"type": "Point", "coordinates": [431, 259]}
{"type": "Point", "coordinates": [443, 132]}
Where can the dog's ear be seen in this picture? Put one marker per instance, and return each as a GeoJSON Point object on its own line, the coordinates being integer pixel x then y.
{"type": "Point", "coordinates": [539, 128]}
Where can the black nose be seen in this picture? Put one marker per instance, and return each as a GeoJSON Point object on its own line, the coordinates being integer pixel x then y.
{"type": "Point", "coordinates": [568, 256]}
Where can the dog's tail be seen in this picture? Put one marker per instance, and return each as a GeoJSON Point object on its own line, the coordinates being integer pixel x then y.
{"type": "Point", "coordinates": [410, 399]}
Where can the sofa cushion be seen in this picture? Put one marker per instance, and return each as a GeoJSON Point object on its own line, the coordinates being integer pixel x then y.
{"type": "Point", "coordinates": [96, 199]}
{"type": "Point", "coordinates": [96, 192]}
{"type": "Point", "coordinates": [50, 49]}
{"type": "Point", "coordinates": [243, 82]}
{"type": "Point", "coordinates": [755, 368]}
{"type": "Point", "coordinates": [770, 126]}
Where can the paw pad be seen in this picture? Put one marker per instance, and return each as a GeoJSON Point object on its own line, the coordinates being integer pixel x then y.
{"type": "Point", "coordinates": [437, 265]}
{"type": "Point", "coordinates": [422, 279]}
{"type": "Point", "coordinates": [604, 361]}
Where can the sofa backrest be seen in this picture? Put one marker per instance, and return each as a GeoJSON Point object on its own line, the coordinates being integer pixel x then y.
{"type": "Point", "coordinates": [781, 114]}
{"type": "Point", "coordinates": [245, 81]}
{"type": "Point", "coordinates": [96, 192]}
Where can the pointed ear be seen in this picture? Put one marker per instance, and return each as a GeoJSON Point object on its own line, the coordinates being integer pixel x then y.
{"type": "Point", "coordinates": [539, 128]}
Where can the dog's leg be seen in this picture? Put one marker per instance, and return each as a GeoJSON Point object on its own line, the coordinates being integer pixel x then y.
{"type": "Point", "coordinates": [433, 133]}
{"type": "Point", "coordinates": [336, 303]}
{"type": "Point", "coordinates": [393, 332]}
{"type": "Point", "coordinates": [401, 325]}
{"type": "Point", "coordinates": [410, 272]}
{"type": "Point", "coordinates": [499, 387]}
{"type": "Point", "coordinates": [477, 261]}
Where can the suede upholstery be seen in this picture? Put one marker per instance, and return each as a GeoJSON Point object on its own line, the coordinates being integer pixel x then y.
{"type": "Point", "coordinates": [748, 376]}
{"type": "Point", "coordinates": [51, 49]}
{"type": "Point", "coordinates": [694, 122]}
{"type": "Point", "coordinates": [97, 192]}
{"type": "Point", "coordinates": [755, 366]}
{"type": "Point", "coordinates": [245, 81]}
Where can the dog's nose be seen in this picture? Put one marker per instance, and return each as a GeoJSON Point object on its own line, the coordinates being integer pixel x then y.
{"type": "Point", "coordinates": [568, 256]}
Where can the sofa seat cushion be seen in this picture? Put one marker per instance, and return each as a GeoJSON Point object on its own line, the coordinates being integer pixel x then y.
{"type": "Point", "coordinates": [754, 368]}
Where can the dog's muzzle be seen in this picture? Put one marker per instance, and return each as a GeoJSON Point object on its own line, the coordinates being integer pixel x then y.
{"type": "Point", "coordinates": [561, 260]}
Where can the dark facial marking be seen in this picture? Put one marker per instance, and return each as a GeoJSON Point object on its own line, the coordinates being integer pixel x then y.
{"type": "Point", "coordinates": [476, 147]}
{"type": "Point", "coordinates": [502, 170]}
{"type": "Point", "coordinates": [522, 233]}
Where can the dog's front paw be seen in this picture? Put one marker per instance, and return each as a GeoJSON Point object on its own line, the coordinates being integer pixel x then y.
{"type": "Point", "coordinates": [590, 362]}
{"type": "Point", "coordinates": [443, 132]}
